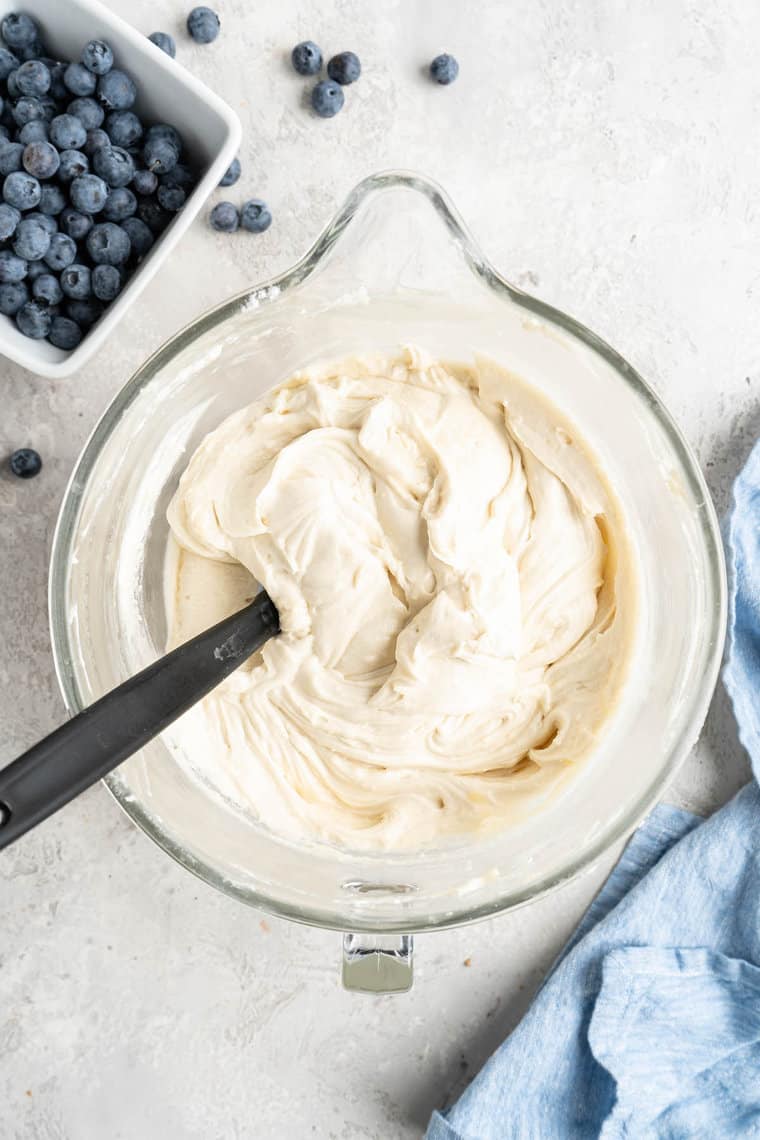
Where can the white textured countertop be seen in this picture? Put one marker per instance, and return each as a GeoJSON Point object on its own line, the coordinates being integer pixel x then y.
{"type": "Point", "coordinates": [606, 157]}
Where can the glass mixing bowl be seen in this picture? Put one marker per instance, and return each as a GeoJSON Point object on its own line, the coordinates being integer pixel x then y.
{"type": "Point", "coordinates": [395, 266]}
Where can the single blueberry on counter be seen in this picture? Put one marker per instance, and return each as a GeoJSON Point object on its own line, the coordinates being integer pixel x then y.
{"type": "Point", "coordinates": [41, 159]}
{"type": "Point", "coordinates": [327, 98]}
{"type": "Point", "coordinates": [144, 182]}
{"type": "Point", "coordinates": [203, 25]}
{"type": "Point", "coordinates": [444, 69]}
{"type": "Point", "coordinates": [31, 240]}
{"type": "Point", "coordinates": [47, 289]}
{"type": "Point", "coordinates": [68, 132]}
{"type": "Point", "coordinates": [344, 68]}
{"type": "Point", "coordinates": [139, 235]}
{"type": "Point", "coordinates": [12, 296]}
{"type": "Point", "coordinates": [76, 281]}
{"type": "Point", "coordinates": [114, 165]}
{"type": "Point", "coordinates": [89, 113]}
{"type": "Point", "coordinates": [21, 190]}
{"type": "Point", "coordinates": [108, 244]}
{"type": "Point", "coordinates": [79, 80]}
{"type": "Point", "coordinates": [231, 174]}
{"type": "Point", "coordinates": [225, 217]}
{"type": "Point", "coordinates": [165, 42]}
{"type": "Point", "coordinates": [64, 333]}
{"type": "Point", "coordinates": [19, 30]}
{"type": "Point", "coordinates": [12, 268]}
{"type": "Point", "coordinates": [97, 57]}
{"type": "Point", "coordinates": [306, 58]}
{"type": "Point", "coordinates": [124, 128]}
{"type": "Point", "coordinates": [34, 320]}
{"type": "Point", "coordinates": [120, 204]}
{"type": "Point", "coordinates": [88, 193]}
{"type": "Point", "coordinates": [33, 78]}
{"type": "Point", "coordinates": [255, 216]}
{"type": "Point", "coordinates": [9, 219]}
{"type": "Point", "coordinates": [61, 253]}
{"type": "Point", "coordinates": [73, 165]}
{"type": "Point", "coordinates": [74, 223]}
{"type": "Point", "coordinates": [116, 91]}
{"type": "Point", "coordinates": [25, 463]}
{"type": "Point", "coordinates": [106, 282]}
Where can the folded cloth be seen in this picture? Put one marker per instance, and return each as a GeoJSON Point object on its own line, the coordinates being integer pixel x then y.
{"type": "Point", "coordinates": [649, 1025]}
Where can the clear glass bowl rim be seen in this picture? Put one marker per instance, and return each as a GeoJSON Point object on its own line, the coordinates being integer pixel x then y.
{"type": "Point", "coordinates": [713, 641]}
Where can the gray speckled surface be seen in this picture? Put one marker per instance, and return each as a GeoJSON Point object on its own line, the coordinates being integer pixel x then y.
{"type": "Point", "coordinates": [604, 156]}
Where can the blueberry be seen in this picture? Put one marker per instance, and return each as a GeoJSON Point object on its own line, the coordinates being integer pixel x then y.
{"type": "Point", "coordinates": [95, 139]}
{"type": "Point", "coordinates": [114, 165]}
{"type": "Point", "coordinates": [26, 462]}
{"type": "Point", "coordinates": [19, 30]}
{"type": "Point", "coordinates": [86, 312]}
{"type": "Point", "coordinates": [344, 68]}
{"type": "Point", "coordinates": [225, 217]}
{"type": "Point", "coordinates": [76, 281]}
{"type": "Point", "coordinates": [12, 268]}
{"type": "Point", "coordinates": [21, 190]}
{"type": "Point", "coordinates": [73, 165]}
{"type": "Point", "coordinates": [89, 113]}
{"type": "Point", "coordinates": [58, 88]}
{"type": "Point", "coordinates": [41, 159]}
{"type": "Point", "coordinates": [153, 214]}
{"type": "Point", "coordinates": [35, 269]}
{"type": "Point", "coordinates": [232, 173]}
{"type": "Point", "coordinates": [34, 50]}
{"type": "Point", "coordinates": [139, 235]}
{"type": "Point", "coordinates": [165, 131]}
{"type": "Point", "coordinates": [160, 155]}
{"type": "Point", "coordinates": [120, 204]}
{"type": "Point", "coordinates": [52, 201]}
{"type": "Point", "coordinates": [202, 24]}
{"type": "Point", "coordinates": [36, 131]}
{"type": "Point", "coordinates": [33, 78]}
{"type": "Point", "coordinates": [74, 223]}
{"type": "Point", "coordinates": [172, 198]}
{"type": "Point", "coordinates": [28, 107]}
{"type": "Point", "coordinates": [327, 98]}
{"type": "Point", "coordinates": [88, 193]}
{"type": "Point", "coordinates": [8, 63]}
{"type": "Point", "coordinates": [68, 132]}
{"type": "Point", "coordinates": [179, 175]}
{"type": "Point", "coordinates": [12, 85]}
{"type": "Point", "coordinates": [9, 219]}
{"type": "Point", "coordinates": [106, 282]}
{"type": "Point", "coordinates": [79, 80]}
{"type": "Point", "coordinates": [97, 57]}
{"type": "Point", "coordinates": [144, 182]}
{"type": "Point", "coordinates": [164, 41]}
{"type": "Point", "coordinates": [306, 58]}
{"type": "Point", "coordinates": [116, 91]}
{"type": "Point", "coordinates": [108, 244]}
{"type": "Point", "coordinates": [255, 216]}
{"type": "Point", "coordinates": [62, 252]}
{"type": "Point", "coordinates": [49, 107]}
{"type": "Point", "coordinates": [31, 240]}
{"type": "Point", "coordinates": [444, 69]}
{"type": "Point", "coordinates": [12, 297]}
{"type": "Point", "coordinates": [47, 289]}
{"type": "Point", "coordinates": [10, 157]}
{"type": "Point", "coordinates": [48, 223]}
{"type": "Point", "coordinates": [124, 128]}
{"type": "Point", "coordinates": [34, 320]}
{"type": "Point", "coordinates": [64, 333]}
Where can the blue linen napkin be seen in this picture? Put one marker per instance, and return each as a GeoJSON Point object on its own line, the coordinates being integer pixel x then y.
{"type": "Point", "coordinates": [649, 1025]}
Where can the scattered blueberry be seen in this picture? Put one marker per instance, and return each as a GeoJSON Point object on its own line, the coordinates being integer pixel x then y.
{"type": "Point", "coordinates": [34, 320]}
{"type": "Point", "coordinates": [12, 296]}
{"type": "Point", "coordinates": [86, 312]}
{"type": "Point", "coordinates": [62, 252]}
{"type": "Point", "coordinates": [106, 282]}
{"type": "Point", "coordinates": [68, 132]}
{"type": "Point", "coordinates": [116, 91]}
{"type": "Point", "coordinates": [97, 57]}
{"type": "Point", "coordinates": [89, 113]}
{"type": "Point", "coordinates": [9, 219]}
{"type": "Point", "coordinates": [444, 69]}
{"type": "Point", "coordinates": [73, 165]}
{"type": "Point", "coordinates": [124, 128]}
{"type": "Point", "coordinates": [21, 190]}
{"type": "Point", "coordinates": [19, 30]}
{"type": "Point", "coordinates": [31, 240]}
{"type": "Point", "coordinates": [306, 58]}
{"type": "Point", "coordinates": [327, 98]}
{"type": "Point", "coordinates": [8, 63]}
{"type": "Point", "coordinates": [144, 182]}
{"type": "Point", "coordinates": [225, 217]}
{"type": "Point", "coordinates": [47, 289]}
{"type": "Point", "coordinates": [28, 107]}
{"type": "Point", "coordinates": [255, 216]}
{"type": "Point", "coordinates": [26, 462]}
{"type": "Point", "coordinates": [75, 224]}
{"type": "Point", "coordinates": [79, 80]}
{"type": "Point", "coordinates": [164, 41]}
{"type": "Point", "coordinates": [10, 157]}
{"type": "Point", "coordinates": [76, 282]}
{"type": "Point", "coordinates": [33, 78]}
{"type": "Point", "coordinates": [114, 165]}
{"type": "Point", "coordinates": [203, 25]}
{"type": "Point", "coordinates": [120, 204]}
{"type": "Point", "coordinates": [41, 159]}
{"type": "Point", "coordinates": [88, 193]}
{"type": "Point", "coordinates": [139, 235]}
{"type": "Point", "coordinates": [108, 244]}
{"type": "Point", "coordinates": [95, 138]}
{"type": "Point", "coordinates": [36, 131]}
{"type": "Point", "coordinates": [64, 333]}
{"type": "Point", "coordinates": [12, 268]}
{"type": "Point", "coordinates": [172, 198]}
{"type": "Point", "coordinates": [344, 68]}
{"type": "Point", "coordinates": [232, 173]}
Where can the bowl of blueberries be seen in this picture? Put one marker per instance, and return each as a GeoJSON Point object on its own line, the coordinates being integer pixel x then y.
{"type": "Point", "coordinates": [108, 150]}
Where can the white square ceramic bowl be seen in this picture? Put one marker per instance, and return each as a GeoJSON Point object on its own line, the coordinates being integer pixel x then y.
{"type": "Point", "coordinates": [166, 93]}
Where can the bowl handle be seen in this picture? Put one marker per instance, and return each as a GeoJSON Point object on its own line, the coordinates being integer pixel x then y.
{"type": "Point", "coordinates": [378, 963]}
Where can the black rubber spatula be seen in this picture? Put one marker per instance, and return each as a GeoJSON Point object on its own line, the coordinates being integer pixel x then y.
{"type": "Point", "coordinates": [86, 748]}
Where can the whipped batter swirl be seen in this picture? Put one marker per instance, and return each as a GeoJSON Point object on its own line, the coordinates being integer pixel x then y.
{"type": "Point", "coordinates": [445, 558]}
